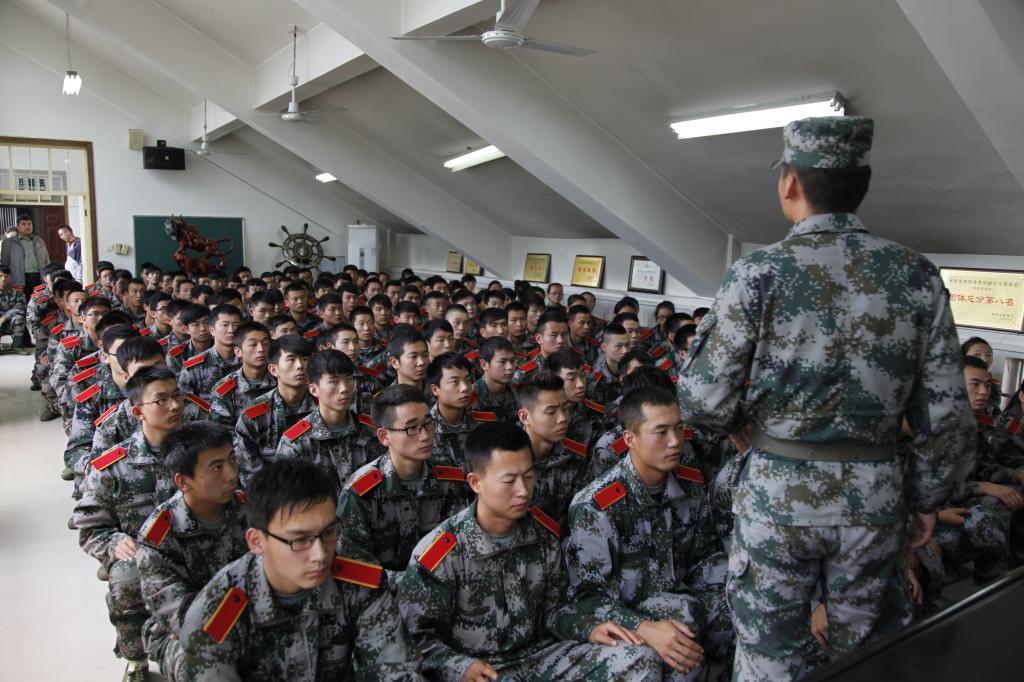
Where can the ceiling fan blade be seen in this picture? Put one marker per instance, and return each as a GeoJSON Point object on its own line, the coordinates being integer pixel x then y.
{"type": "Point", "coordinates": [517, 13]}
{"type": "Point", "coordinates": [558, 48]}
{"type": "Point", "coordinates": [445, 38]}
{"type": "Point", "coordinates": [328, 110]}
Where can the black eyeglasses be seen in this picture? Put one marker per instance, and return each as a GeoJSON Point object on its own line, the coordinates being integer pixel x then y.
{"type": "Point", "coordinates": [176, 397]}
{"type": "Point", "coordinates": [328, 536]}
{"type": "Point", "coordinates": [413, 431]}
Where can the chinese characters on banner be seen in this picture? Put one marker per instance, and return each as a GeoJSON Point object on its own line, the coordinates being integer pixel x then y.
{"type": "Point", "coordinates": [993, 299]}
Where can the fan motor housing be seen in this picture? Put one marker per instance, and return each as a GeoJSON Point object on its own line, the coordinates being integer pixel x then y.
{"type": "Point", "coordinates": [502, 40]}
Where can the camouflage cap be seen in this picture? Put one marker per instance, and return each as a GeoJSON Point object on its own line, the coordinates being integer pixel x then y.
{"type": "Point", "coordinates": [828, 142]}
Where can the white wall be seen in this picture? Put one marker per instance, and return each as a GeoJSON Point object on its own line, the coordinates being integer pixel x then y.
{"type": "Point", "coordinates": [35, 108]}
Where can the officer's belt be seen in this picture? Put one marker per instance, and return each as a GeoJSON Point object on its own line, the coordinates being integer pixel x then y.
{"type": "Point", "coordinates": [840, 451]}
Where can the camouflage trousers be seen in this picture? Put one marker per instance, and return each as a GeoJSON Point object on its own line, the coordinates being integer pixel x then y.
{"type": "Point", "coordinates": [126, 609]}
{"type": "Point", "coordinates": [15, 327]}
{"type": "Point", "coordinates": [774, 571]}
{"type": "Point", "coordinates": [984, 540]}
{"type": "Point", "coordinates": [163, 649]}
{"type": "Point", "coordinates": [571, 661]}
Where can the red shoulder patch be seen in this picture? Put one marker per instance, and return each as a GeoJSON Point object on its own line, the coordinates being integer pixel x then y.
{"type": "Point", "coordinates": [985, 419]}
{"type": "Point", "coordinates": [438, 550]}
{"type": "Point", "coordinates": [310, 334]}
{"type": "Point", "coordinates": [227, 614]}
{"type": "Point", "coordinates": [71, 342]}
{"type": "Point", "coordinates": [619, 446]}
{"type": "Point", "coordinates": [596, 407]}
{"type": "Point", "coordinates": [57, 329]}
{"type": "Point", "coordinates": [357, 572]}
{"type": "Point", "coordinates": [472, 399]}
{"type": "Point", "coordinates": [107, 458]}
{"type": "Point", "coordinates": [87, 361]}
{"type": "Point", "coordinates": [687, 433]}
{"type": "Point", "coordinates": [88, 393]}
{"type": "Point", "coordinates": [666, 365]}
{"type": "Point", "coordinates": [177, 350]}
{"type": "Point", "coordinates": [159, 529]}
{"type": "Point", "coordinates": [534, 353]}
{"type": "Point", "coordinates": [82, 376]}
{"type": "Point", "coordinates": [609, 495]}
{"type": "Point", "coordinates": [658, 352]}
{"type": "Point", "coordinates": [483, 416]}
{"type": "Point", "coordinates": [110, 410]}
{"type": "Point", "coordinates": [528, 367]}
{"type": "Point", "coordinates": [575, 447]}
{"type": "Point", "coordinates": [240, 496]}
{"type": "Point", "coordinates": [596, 377]}
{"type": "Point", "coordinates": [196, 400]}
{"type": "Point", "coordinates": [543, 519]}
{"type": "Point", "coordinates": [367, 482]}
{"type": "Point", "coordinates": [521, 356]}
{"type": "Point", "coordinates": [689, 474]}
{"type": "Point", "coordinates": [366, 420]}
{"type": "Point", "coordinates": [472, 356]}
{"type": "Point", "coordinates": [371, 371]}
{"type": "Point", "coordinates": [226, 387]}
{"type": "Point", "coordinates": [163, 342]}
{"type": "Point", "coordinates": [194, 361]}
{"type": "Point", "coordinates": [49, 319]}
{"type": "Point", "coordinates": [1013, 426]}
{"type": "Point", "coordinates": [647, 333]}
{"type": "Point", "coordinates": [449, 473]}
{"type": "Point", "coordinates": [257, 410]}
{"type": "Point", "coordinates": [145, 331]}
{"type": "Point", "coordinates": [298, 429]}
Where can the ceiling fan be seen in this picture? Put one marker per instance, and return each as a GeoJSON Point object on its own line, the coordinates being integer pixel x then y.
{"type": "Point", "coordinates": [293, 113]}
{"type": "Point", "coordinates": [204, 148]}
{"type": "Point", "coordinates": [508, 32]}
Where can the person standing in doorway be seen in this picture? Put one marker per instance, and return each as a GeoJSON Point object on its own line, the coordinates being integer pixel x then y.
{"type": "Point", "coordinates": [73, 263]}
{"type": "Point", "coordinates": [25, 254]}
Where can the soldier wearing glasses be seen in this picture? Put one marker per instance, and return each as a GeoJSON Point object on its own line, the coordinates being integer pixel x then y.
{"type": "Point", "coordinates": [290, 609]}
{"type": "Point", "coordinates": [123, 486]}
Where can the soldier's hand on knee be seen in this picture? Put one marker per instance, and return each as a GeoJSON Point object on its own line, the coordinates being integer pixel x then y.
{"type": "Point", "coordinates": [125, 549]}
{"type": "Point", "coordinates": [953, 517]}
{"type": "Point", "coordinates": [819, 625]}
{"type": "Point", "coordinates": [479, 671]}
{"type": "Point", "coordinates": [608, 633]}
{"type": "Point", "coordinates": [674, 643]}
{"type": "Point", "coordinates": [1005, 494]}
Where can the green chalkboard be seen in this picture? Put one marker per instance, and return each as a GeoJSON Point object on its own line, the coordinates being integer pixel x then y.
{"type": "Point", "coordinates": [153, 245]}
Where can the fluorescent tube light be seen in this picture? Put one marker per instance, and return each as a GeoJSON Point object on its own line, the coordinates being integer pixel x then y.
{"type": "Point", "coordinates": [326, 177]}
{"type": "Point", "coordinates": [759, 116]}
{"type": "Point", "coordinates": [473, 158]}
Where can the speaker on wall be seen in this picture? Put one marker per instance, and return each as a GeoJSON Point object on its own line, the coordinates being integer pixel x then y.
{"type": "Point", "coordinates": [163, 158]}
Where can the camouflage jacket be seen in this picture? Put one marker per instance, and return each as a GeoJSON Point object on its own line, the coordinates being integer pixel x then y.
{"type": "Point", "coordinates": [523, 350]}
{"type": "Point", "coordinates": [628, 553]}
{"type": "Point", "coordinates": [178, 554]}
{"type": "Point", "coordinates": [503, 405]}
{"type": "Point", "coordinates": [368, 385]}
{"type": "Point", "coordinates": [178, 353]}
{"type": "Point", "coordinates": [559, 476]}
{"type": "Point", "coordinates": [834, 334]}
{"type": "Point", "coordinates": [75, 356]}
{"type": "Point", "coordinates": [372, 357]}
{"type": "Point", "coordinates": [449, 440]}
{"type": "Point", "coordinates": [63, 329]}
{"type": "Point", "coordinates": [611, 448]}
{"type": "Point", "coordinates": [466, 597]}
{"type": "Point", "coordinates": [337, 453]}
{"type": "Point", "coordinates": [1000, 451]}
{"type": "Point", "coordinates": [587, 422]}
{"type": "Point", "coordinates": [588, 349]}
{"type": "Point", "coordinates": [534, 362]}
{"type": "Point", "coordinates": [382, 517]}
{"type": "Point", "coordinates": [12, 301]}
{"type": "Point", "coordinates": [92, 406]}
{"type": "Point", "coordinates": [603, 387]}
{"type": "Point", "coordinates": [260, 427]}
{"type": "Point", "coordinates": [121, 489]}
{"type": "Point", "coordinates": [237, 629]}
{"type": "Point", "coordinates": [40, 314]}
{"type": "Point", "coordinates": [235, 391]}
{"type": "Point", "coordinates": [199, 374]}
{"type": "Point", "coordinates": [114, 428]}
{"type": "Point", "coordinates": [311, 322]}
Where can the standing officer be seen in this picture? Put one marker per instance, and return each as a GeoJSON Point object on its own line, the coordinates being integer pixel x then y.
{"type": "Point", "coordinates": [824, 342]}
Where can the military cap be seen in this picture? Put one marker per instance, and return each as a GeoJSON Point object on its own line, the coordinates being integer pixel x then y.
{"type": "Point", "coordinates": [828, 142]}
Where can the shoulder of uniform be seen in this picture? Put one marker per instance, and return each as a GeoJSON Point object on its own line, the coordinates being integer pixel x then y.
{"type": "Point", "coordinates": [225, 386]}
{"type": "Point", "coordinates": [70, 342]}
{"type": "Point", "coordinates": [226, 615]}
{"type": "Point", "coordinates": [145, 331]}
{"type": "Point", "coordinates": [471, 343]}
{"type": "Point", "coordinates": [575, 447]}
{"type": "Point", "coordinates": [310, 334]}
{"type": "Point", "coordinates": [197, 401]}
{"type": "Point", "coordinates": [370, 371]}
{"type": "Point", "coordinates": [112, 455]}
{"type": "Point", "coordinates": [298, 429]}
{"type": "Point", "coordinates": [443, 473]}
{"type": "Point", "coordinates": [658, 352]}
{"type": "Point", "coordinates": [1013, 427]}
{"type": "Point", "coordinates": [441, 547]}
{"type": "Point", "coordinates": [88, 361]}
{"type": "Point", "coordinates": [87, 393]}
{"type": "Point", "coordinates": [367, 481]}
{"type": "Point", "coordinates": [985, 419]}
{"type": "Point", "coordinates": [194, 361]}
{"type": "Point", "coordinates": [366, 420]}
{"type": "Point", "coordinates": [177, 350]}
{"type": "Point", "coordinates": [109, 411]}
{"type": "Point", "coordinates": [528, 367]}
{"type": "Point", "coordinates": [163, 342]}
{"type": "Point", "coordinates": [596, 407]}
{"type": "Point", "coordinates": [257, 409]}
{"type": "Point", "coordinates": [609, 495]}
{"type": "Point", "coordinates": [240, 496]}
{"type": "Point", "coordinates": [158, 528]}
{"type": "Point", "coordinates": [357, 572]}
{"type": "Point", "coordinates": [619, 445]}
{"type": "Point", "coordinates": [57, 329]}
{"type": "Point", "coordinates": [647, 333]}
{"type": "Point", "coordinates": [688, 473]}
{"type": "Point", "coordinates": [483, 416]}
{"type": "Point", "coordinates": [472, 356]}
{"type": "Point", "coordinates": [543, 519]}
{"type": "Point", "coordinates": [596, 377]}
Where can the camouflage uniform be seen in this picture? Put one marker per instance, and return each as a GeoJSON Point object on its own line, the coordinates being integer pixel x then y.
{"type": "Point", "coordinates": [199, 374]}
{"type": "Point", "coordinates": [120, 491]}
{"type": "Point", "coordinates": [91, 407]}
{"type": "Point", "coordinates": [114, 428]}
{"type": "Point", "coordinates": [338, 453]}
{"type": "Point", "coordinates": [830, 336]}
{"type": "Point", "coordinates": [450, 441]}
{"type": "Point", "coordinates": [559, 476]}
{"type": "Point", "coordinates": [76, 355]}
{"type": "Point", "coordinates": [467, 596]}
{"type": "Point", "coordinates": [587, 422]}
{"type": "Point", "coordinates": [312, 322]}
{"type": "Point", "coordinates": [177, 354]}
{"type": "Point", "coordinates": [383, 517]}
{"type": "Point", "coordinates": [234, 392]}
{"type": "Point", "coordinates": [523, 350]}
{"type": "Point", "coordinates": [12, 306]}
{"type": "Point", "coordinates": [589, 349]}
{"type": "Point", "coordinates": [535, 362]}
{"type": "Point", "coordinates": [611, 448]}
{"type": "Point", "coordinates": [177, 555]}
{"type": "Point", "coordinates": [721, 493]}
{"type": "Point", "coordinates": [342, 630]}
{"type": "Point", "coordinates": [603, 387]}
{"type": "Point", "coordinates": [368, 385]}
{"type": "Point", "coordinates": [503, 405]}
{"type": "Point", "coordinates": [260, 427]}
{"type": "Point", "coordinates": [633, 556]}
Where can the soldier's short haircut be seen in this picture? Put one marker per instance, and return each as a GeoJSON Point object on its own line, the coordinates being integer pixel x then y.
{"type": "Point", "coordinates": [435, 326]}
{"type": "Point", "coordinates": [225, 297]}
{"type": "Point", "coordinates": [578, 310]}
{"type": "Point", "coordinates": [327, 299]}
{"type": "Point", "coordinates": [194, 312]}
{"type": "Point", "coordinates": [681, 340]}
{"type": "Point", "coordinates": [564, 359]}
{"type": "Point", "coordinates": [182, 446]}
{"type": "Point", "coordinates": [411, 289]}
{"type": "Point", "coordinates": [93, 302]}
{"type": "Point", "coordinates": [247, 328]}
{"type": "Point", "coordinates": [515, 307]}
{"type": "Point", "coordinates": [493, 293]}
{"type": "Point", "coordinates": [646, 377]}
{"type": "Point", "coordinates": [146, 376]}
{"type": "Point", "coordinates": [348, 288]}
{"type": "Point", "coordinates": [286, 486]}
{"type": "Point", "coordinates": [116, 332]}
{"type": "Point", "coordinates": [455, 308]}
{"type": "Point", "coordinates": [273, 296]}
{"type": "Point", "coordinates": [402, 335]}
{"type": "Point", "coordinates": [573, 300]}
{"type": "Point", "coordinates": [382, 300]}
{"type": "Point", "coordinates": [977, 363]}
{"type": "Point", "coordinates": [631, 409]}
{"type": "Point", "coordinates": [390, 399]}
{"type": "Point", "coordinates": [701, 311]}
{"type": "Point", "coordinates": [176, 306]}
{"type": "Point", "coordinates": [201, 289]}
{"type": "Point", "coordinates": [462, 295]}
{"type": "Point", "coordinates": [434, 296]}
{"type": "Point", "coordinates": [158, 297]}
{"type": "Point", "coordinates": [832, 190]}
{"type": "Point", "coordinates": [66, 286]}
{"type": "Point", "coordinates": [625, 301]}
{"type": "Point", "coordinates": [637, 355]}
{"type": "Point", "coordinates": [360, 310]}
{"type": "Point", "coordinates": [224, 310]}
{"type": "Point", "coordinates": [966, 346]}
{"type": "Point", "coordinates": [103, 266]}
{"type": "Point", "coordinates": [277, 320]}
{"type": "Point", "coordinates": [296, 285]}
{"type": "Point", "coordinates": [292, 343]}
{"type": "Point", "coordinates": [113, 318]}
{"type": "Point", "coordinates": [52, 268]}
{"type": "Point", "coordinates": [4, 270]}
{"type": "Point", "coordinates": [490, 315]}
{"type": "Point", "coordinates": [134, 349]}
{"type": "Point", "coordinates": [490, 437]}
{"type": "Point", "coordinates": [675, 321]}
{"type": "Point", "coordinates": [620, 318]}
{"type": "Point", "coordinates": [331, 335]}
{"type": "Point", "coordinates": [180, 283]}
{"type": "Point", "coordinates": [257, 298]}
{"type": "Point", "coordinates": [494, 344]}
{"type": "Point", "coordinates": [404, 307]}
{"type": "Point", "coordinates": [554, 316]}
{"type": "Point", "coordinates": [435, 371]}
{"type": "Point", "coordinates": [614, 329]}
{"type": "Point", "coordinates": [542, 381]}
{"type": "Point", "coordinates": [329, 363]}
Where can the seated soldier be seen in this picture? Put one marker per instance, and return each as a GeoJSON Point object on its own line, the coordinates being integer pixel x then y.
{"type": "Point", "coordinates": [249, 381]}
{"type": "Point", "coordinates": [642, 548]}
{"type": "Point", "coordinates": [631, 323]}
{"type": "Point", "coordinates": [370, 351]}
{"type": "Point", "coordinates": [12, 309]}
{"type": "Point", "coordinates": [552, 334]}
{"type": "Point", "coordinates": [408, 356]}
{"type": "Point", "coordinates": [200, 373]}
{"type": "Point", "coordinates": [191, 536]}
{"type": "Point", "coordinates": [492, 392]}
{"type": "Point", "coordinates": [282, 325]}
{"type": "Point", "coordinates": [518, 336]}
{"type": "Point", "coordinates": [121, 489]}
{"type": "Point", "coordinates": [77, 352]}
{"type": "Point", "coordinates": [382, 307]}
{"type": "Point", "coordinates": [407, 312]}
{"type": "Point", "coordinates": [350, 299]}
{"type": "Point", "coordinates": [368, 380]}
{"type": "Point", "coordinates": [449, 383]}
{"type": "Point", "coordinates": [482, 592]}
{"type": "Point", "coordinates": [605, 383]}
{"type": "Point", "coordinates": [660, 332]}
{"type": "Point", "coordinates": [296, 300]}
{"type": "Point", "coordinates": [158, 306]}
{"type": "Point", "coordinates": [197, 319]}
{"type": "Point", "coordinates": [392, 502]}
{"type": "Point", "coordinates": [438, 335]}
{"type": "Point", "coordinates": [328, 307]}
{"type": "Point", "coordinates": [331, 436]}
{"type": "Point", "coordinates": [561, 466]}
{"type": "Point", "coordinates": [581, 326]}
{"type": "Point", "coordinates": [290, 609]}
{"type": "Point", "coordinates": [263, 421]}
{"type": "Point", "coordinates": [434, 303]}
{"type": "Point", "coordinates": [179, 330]}
{"type": "Point", "coordinates": [587, 419]}
{"type": "Point", "coordinates": [682, 339]}
{"type": "Point", "coordinates": [261, 308]}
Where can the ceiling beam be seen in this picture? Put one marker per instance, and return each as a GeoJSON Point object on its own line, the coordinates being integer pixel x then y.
{"type": "Point", "coordinates": [980, 47]}
{"type": "Point", "coordinates": [151, 33]}
{"type": "Point", "coordinates": [498, 97]}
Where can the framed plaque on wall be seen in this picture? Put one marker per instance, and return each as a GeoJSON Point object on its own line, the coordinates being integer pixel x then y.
{"type": "Point", "coordinates": [645, 276]}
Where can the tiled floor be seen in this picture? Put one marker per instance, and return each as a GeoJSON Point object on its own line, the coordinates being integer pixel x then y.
{"type": "Point", "coordinates": [53, 619]}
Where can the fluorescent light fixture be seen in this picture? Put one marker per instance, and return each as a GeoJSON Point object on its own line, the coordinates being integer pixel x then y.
{"type": "Point", "coordinates": [760, 116]}
{"type": "Point", "coordinates": [72, 83]}
{"type": "Point", "coordinates": [474, 158]}
{"type": "Point", "coordinates": [326, 177]}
